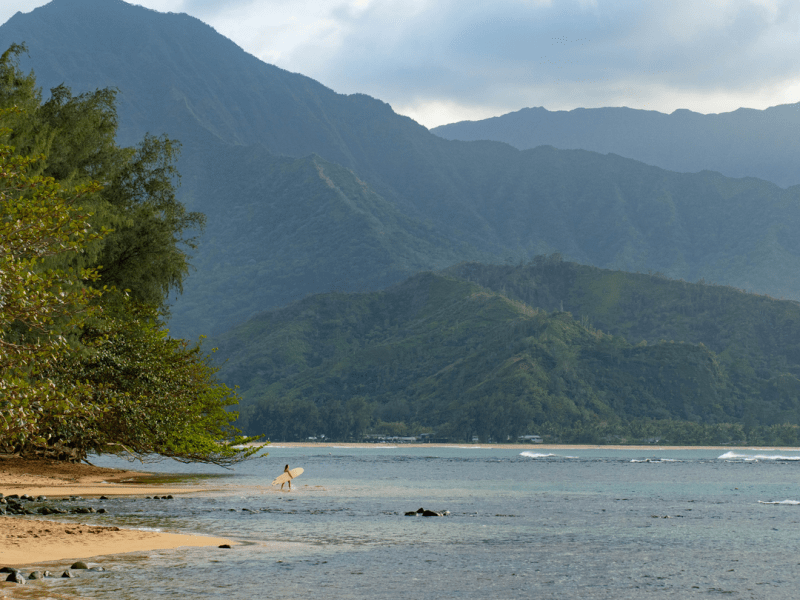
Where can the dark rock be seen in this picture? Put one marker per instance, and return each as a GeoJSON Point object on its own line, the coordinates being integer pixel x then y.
{"type": "Point", "coordinates": [420, 510]}
{"type": "Point", "coordinates": [12, 497]}
{"type": "Point", "coordinates": [225, 546]}
{"type": "Point", "coordinates": [15, 577]}
{"type": "Point", "coordinates": [103, 497]}
{"type": "Point", "coordinates": [41, 498]}
{"type": "Point", "coordinates": [170, 497]}
{"type": "Point", "coordinates": [79, 565]}
{"type": "Point", "coordinates": [102, 511]}
{"type": "Point", "coordinates": [26, 498]}
{"type": "Point", "coordinates": [411, 513]}
{"type": "Point", "coordinates": [67, 573]}
{"type": "Point", "coordinates": [431, 513]}
{"type": "Point", "coordinates": [36, 575]}
{"type": "Point", "coordinates": [8, 570]}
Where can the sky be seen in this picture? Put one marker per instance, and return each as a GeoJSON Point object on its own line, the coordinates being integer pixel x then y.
{"type": "Point", "coordinates": [440, 61]}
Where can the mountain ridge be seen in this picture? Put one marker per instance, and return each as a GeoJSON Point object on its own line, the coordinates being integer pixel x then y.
{"type": "Point", "coordinates": [483, 201]}
{"type": "Point", "coordinates": [745, 142]}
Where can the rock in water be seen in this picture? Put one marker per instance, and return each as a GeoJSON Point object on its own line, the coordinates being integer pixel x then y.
{"type": "Point", "coordinates": [15, 577]}
{"type": "Point", "coordinates": [79, 565]}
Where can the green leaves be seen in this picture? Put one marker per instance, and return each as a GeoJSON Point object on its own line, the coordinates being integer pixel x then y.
{"type": "Point", "coordinates": [85, 367]}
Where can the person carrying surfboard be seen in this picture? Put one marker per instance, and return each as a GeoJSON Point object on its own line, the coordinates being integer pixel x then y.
{"type": "Point", "coordinates": [287, 476]}
{"type": "Point", "coordinates": [289, 473]}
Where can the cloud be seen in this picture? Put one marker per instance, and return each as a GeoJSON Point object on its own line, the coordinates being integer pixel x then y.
{"type": "Point", "coordinates": [561, 54]}
{"type": "Point", "coordinates": [441, 59]}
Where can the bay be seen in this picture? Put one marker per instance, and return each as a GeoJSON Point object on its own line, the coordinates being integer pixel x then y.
{"type": "Point", "coordinates": [575, 523]}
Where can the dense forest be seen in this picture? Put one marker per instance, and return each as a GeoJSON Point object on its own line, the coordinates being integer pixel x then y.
{"type": "Point", "coordinates": [443, 355]}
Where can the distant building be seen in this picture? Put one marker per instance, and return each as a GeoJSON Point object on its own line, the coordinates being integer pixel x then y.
{"type": "Point", "coordinates": [530, 439]}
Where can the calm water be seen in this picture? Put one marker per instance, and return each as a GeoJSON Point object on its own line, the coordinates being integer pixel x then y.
{"type": "Point", "coordinates": [571, 524]}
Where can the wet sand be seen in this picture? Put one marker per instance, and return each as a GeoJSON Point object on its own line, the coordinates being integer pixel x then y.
{"type": "Point", "coordinates": [30, 540]}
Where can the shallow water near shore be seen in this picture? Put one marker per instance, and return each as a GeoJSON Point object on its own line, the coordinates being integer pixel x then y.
{"type": "Point", "coordinates": [588, 523]}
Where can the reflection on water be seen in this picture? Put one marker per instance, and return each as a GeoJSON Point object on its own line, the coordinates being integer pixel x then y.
{"type": "Point", "coordinates": [562, 524]}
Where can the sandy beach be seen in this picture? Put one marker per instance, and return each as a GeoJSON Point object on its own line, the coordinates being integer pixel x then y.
{"type": "Point", "coordinates": [29, 540]}
{"type": "Point", "coordinates": [653, 447]}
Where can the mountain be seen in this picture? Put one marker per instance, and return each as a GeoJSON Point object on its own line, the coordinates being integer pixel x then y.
{"type": "Point", "coordinates": [307, 190]}
{"type": "Point", "coordinates": [443, 354]}
{"type": "Point", "coordinates": [742, 143]}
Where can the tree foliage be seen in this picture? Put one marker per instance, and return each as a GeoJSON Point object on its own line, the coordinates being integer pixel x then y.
{"type": "Point", "coordinates": [92, 239]}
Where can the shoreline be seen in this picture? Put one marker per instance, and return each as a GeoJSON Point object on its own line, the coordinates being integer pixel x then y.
{"type": "Point", "coordinates": [477, 446]}
{"type": "Point", "coordinates": [26, 541]}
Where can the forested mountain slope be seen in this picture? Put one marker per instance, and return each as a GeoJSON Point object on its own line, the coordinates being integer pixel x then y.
{"type": "Point", "coordinates": [742, 143]}
{"type": "Point", "coordinates": [441, 201]}
{"type": "Point", "coordinates": [442, 354]}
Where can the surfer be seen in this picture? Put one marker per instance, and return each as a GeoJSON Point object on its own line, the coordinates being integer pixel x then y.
{"type": "Point", "coordinates": [286, 470]}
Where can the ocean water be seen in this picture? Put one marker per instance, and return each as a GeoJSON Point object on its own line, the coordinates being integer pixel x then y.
{"type": "Point", "coordinates": [621, 524]}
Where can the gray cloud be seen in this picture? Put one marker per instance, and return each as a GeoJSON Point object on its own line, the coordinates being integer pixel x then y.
{"type": "Point", "coordinates": [483, 58]}
{"type": "Point", "coordinates": [514, 53]}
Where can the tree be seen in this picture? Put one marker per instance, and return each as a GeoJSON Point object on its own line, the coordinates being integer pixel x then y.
{"type": "Point", "coordinates": [40, 306]}
{"type": "Point", "coordinates": [150, 233]}
{"type": "Point", "coordinates": [85, 362]}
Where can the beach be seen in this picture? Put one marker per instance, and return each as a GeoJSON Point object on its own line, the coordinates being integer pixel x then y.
{"type": "Point", "coordinates": [29, 540]}
{"type": "Point", "coordinates": [650, 447]}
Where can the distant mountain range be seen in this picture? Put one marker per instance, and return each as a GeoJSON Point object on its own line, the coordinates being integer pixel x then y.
{"type": "Point", "coordinates": [310, 191]}
{"type": "Point", "coordinates": [742, 143]}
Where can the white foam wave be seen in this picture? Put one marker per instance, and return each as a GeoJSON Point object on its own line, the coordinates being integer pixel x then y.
{"type": "Point", "coordinates": [786, 502]}
{"type": "Point", "coordinates": [755, 457]}
{"type": "Point", "coordinates": [530, 454]}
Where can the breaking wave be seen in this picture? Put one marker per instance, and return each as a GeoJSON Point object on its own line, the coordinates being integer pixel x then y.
{"type": "Point", "coordinates": [754, 457]}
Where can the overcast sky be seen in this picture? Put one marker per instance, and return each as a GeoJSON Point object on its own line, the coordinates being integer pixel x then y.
{"type": "Point", "coordinates": [440, 61]}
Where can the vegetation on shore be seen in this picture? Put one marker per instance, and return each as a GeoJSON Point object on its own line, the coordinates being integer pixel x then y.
{"type": "Point", "coordinates": [447, 356]}
{"type": "Point", "coordinates": [92, 240]}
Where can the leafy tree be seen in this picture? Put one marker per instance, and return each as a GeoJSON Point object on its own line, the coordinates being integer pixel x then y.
{"type": "Point", "coordinates": [150, 232]}
{"type": "Point", "coordinates": [40, 306]}
{"type": "Point", "coordinates": [85, 364]}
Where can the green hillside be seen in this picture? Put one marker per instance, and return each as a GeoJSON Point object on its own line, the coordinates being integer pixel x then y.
{"type": "Point", "coordinates": [443, 201]}
{"type": "Point", "coordinates": [445, 355]}
{"type": "Point", "coordinates": [288, 227]}
{"type": "Point", "coordinates": [757, 331]}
